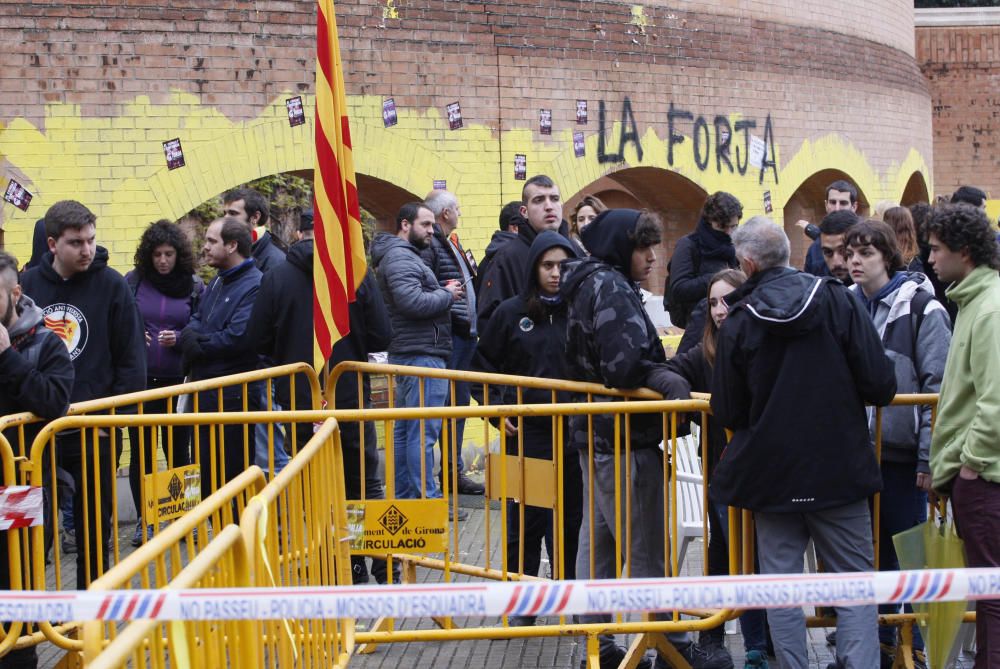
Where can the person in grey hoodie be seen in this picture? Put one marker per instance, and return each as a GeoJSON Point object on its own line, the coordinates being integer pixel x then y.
{"type": "Point", "coordinates": [420, 312]}
{"type": "Point", "coordinates": [916, 332]}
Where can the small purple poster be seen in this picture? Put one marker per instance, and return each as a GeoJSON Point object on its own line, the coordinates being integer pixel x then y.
{"type": "Point", "coordinates": [389, 117]}
{"type": "Point", "coordinates": [581, 112]}
{"type": "Point", "coordinates": [579, 149]}
{"type": "Point", "coordinates": [296, 114]}
{"type": "Point", "coordinates": [545, 121]}
{"type": "Point", "coordinates": [175, 155]}
{"type": "Point", "coordinates": [17, 195]}
{"type": "Point", "coordinates": [454, 115]}
{"type": "Point", "coordinates": [520, 166]}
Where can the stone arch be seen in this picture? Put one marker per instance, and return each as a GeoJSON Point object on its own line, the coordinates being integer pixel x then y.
{"type": "Point", "coordinates": [382, 200]}
{"type": "Point", "coordinates": [677, 200]}
{"type": "Point", "coordinates": [806, 203]}
{"type": "Point", "coordinates": [915, 190]}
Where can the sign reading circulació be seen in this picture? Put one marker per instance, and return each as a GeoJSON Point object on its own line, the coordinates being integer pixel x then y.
{"type": "Point", "coordinates": [379, 526]}
{"type": "Point", "coordinates": [171, 493]}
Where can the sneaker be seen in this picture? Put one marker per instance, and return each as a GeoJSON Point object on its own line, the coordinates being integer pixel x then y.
{"type": "Point", "coordinates": [715, 651]}
{"type": "Point", "coordinates": [467, 486]}
{"type": "Point", "coordinates": [612, 656]}
{"type": "Point", "coordinates": [714, 657]}
{"type": "Point", "coordinates": [137, 535]}
{"type": "Point", "coordinates": [886, 656]}
{"type": "Point", "coordinates": [831, 638]}
{"type": "Point", "coordinates": [69, 541]}
{"type": "Point", "coordinates": [462, 514]}
{"type": "Point", "coordinates": [521, 621]}
{"type": "Point", "coordinates": [755, 660]}
{"type": "Point", "coordinates": [919, 660]}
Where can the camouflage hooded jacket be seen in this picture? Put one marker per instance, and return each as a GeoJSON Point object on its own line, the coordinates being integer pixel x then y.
{"type": "Point", "coordinates": [609, 337]}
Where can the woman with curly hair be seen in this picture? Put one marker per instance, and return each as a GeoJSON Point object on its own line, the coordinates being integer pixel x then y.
{"type": "Point", "coordinates": [166, 291]}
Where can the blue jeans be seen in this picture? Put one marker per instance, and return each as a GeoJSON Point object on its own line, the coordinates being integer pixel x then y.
{"type": "Point", "coordinates": [902, 506]}
{"type": "Point", "coordinates": [462, 350]}
{"type": "Point", "coordinates": [409, 450]}
{"type": "Point", "coordinates": [261, 457]}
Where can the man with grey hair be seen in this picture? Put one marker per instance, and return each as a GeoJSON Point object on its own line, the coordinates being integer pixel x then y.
{"type": "Point", "coordinates": [781, 322]}
{"type": "Point", "coordinates": [450, 262]}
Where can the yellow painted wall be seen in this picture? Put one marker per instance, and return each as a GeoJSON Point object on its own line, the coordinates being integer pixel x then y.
{"type": "Point", "coordinates": [116, 165]}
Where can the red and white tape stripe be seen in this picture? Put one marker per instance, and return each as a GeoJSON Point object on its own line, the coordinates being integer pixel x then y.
{"type": "Point", "coordinates": [20, 506]}
{"type": "Point", "coordinates": [507, 598]}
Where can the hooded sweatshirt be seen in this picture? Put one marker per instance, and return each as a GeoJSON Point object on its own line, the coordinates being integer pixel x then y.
{"type": "Point", "coordinates": [967, 431]}
{"type": "Point", "coordinates": [916, 332]}
{"type": "Point", "coordinates": [610, 338]}
{"type": "Point", "coordinates": [504, 276]}
{"type": "Point", "coordinates": [94, 313]}
{"type": "Point", "coordinates": [35, 371]}
{"type": "Point", "coordinates": [800, 440]}
{"type": "Point", "coordinates": [515, 343]}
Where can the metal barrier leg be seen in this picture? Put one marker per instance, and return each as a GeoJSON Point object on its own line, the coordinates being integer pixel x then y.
{"type": "Point", "coordinates": [593, 652]}
{"type": "Point", "coordinates": [667, 650]}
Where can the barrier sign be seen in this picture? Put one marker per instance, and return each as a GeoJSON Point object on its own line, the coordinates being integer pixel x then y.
{"type": "Point", "coordinates": [496, 598]}
{"type": "Point", "coordinates": [171, 493]}
{"type": "Point", "coordinates": [380, 526]}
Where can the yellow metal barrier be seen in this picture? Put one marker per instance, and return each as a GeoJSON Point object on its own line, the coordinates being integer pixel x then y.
{"type": "Point", "coordinates": [295, 531]}
{"type": "Point", "coordinates": [95, 452]}
{"type": "Point", "coordinates": [160, 563]}
{"type": "Point", "coordinates": [213, 643]}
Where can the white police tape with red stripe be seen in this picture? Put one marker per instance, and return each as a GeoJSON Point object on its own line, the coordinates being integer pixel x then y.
{"type": "Point", "coordinates": [537, 598]}
{"type": "Point", "coordinates": [20, 506]}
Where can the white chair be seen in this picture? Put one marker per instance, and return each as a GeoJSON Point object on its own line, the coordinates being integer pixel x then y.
{"type": "Point", "coordinates": [690, 495]}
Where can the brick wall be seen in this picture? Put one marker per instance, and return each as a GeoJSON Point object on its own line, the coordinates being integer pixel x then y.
{"type": "Point", "coordinates": [962, 66]}
{"type": "Point", "coordinates": [91, 91]}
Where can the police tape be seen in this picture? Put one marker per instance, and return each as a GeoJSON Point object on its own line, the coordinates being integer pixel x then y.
{"type": "Point", "coordinates": [537, 598]}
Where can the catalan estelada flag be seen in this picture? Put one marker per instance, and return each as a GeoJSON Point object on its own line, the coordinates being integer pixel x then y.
{"type": "Point", "coordinates": [339, 257]}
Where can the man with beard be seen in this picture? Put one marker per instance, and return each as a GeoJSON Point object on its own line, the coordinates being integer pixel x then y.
{"type": "Point", "coordinates": [420, 313]}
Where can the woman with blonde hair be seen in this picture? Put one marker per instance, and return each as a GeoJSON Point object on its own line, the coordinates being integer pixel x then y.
{"type": "Point", "coordinates": [585, 211]}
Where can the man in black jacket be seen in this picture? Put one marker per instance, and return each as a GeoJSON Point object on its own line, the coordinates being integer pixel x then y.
{"type": "Point", "coordinates": [610, 340]}
{"type": "Point", "coordinates": [541, 205]}
{"type": "Point", "coordinates": [91, 308]}
{"type": "Point", "coordinates": [511, 219]}
{"type": "Point", "coordinates": [450, 262]}
{"type": "Point", "coordinates": [36, 375]}
{"type": "Point", "coordinates": [280, 323]}
{"type": "Point", "coordinates": [800, 456]}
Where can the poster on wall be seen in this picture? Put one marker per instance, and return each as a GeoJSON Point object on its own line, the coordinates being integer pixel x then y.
{"type": "Point", "coordinates": [545, 121]}
{"type": "Point", "coordinates": [175, 155]}
{"type": "Point", "coordinates": [581, 112]}
{"type": "Point", "coordinates": [17, 195]}
{"type": "Point", "coordinates": [768, 207]}
{"type": "Point", "coordinates": [454, 115]}
{"type": "Point", "coordinates": [579, 149]}
{"type": "Point", "coordinates": [389, 117]}
{"type": "Point", "coordinates": [520, 166]}
{"type": "Point", "coordinates": [440, 184]}
{"type": "Point", "coordinates": [296, 114]}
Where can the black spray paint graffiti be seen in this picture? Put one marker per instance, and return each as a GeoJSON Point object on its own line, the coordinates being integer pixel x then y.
{"type": "Point", "coordinates": [701, 135]}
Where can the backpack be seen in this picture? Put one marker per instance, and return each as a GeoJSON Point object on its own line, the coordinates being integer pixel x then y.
{"type": "Point", "coordinates": [679, 313]}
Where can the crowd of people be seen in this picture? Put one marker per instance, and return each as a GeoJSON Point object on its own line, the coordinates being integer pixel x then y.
{"type": "Point", "coordinates": [906, 302]}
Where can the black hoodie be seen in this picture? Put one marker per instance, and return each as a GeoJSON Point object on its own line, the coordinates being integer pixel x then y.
{"type": "Point", "coordinates": [796, 361]}
{"type": "Point", "coordinates": [514, 343]}
{"type": "Point", "coordinates": [95, 315]}
{"type": "Point", "coordinates": [504, 276]}
{"type": "Point", "coordinates": [280, 324]}
{"type": "Point", "coordinates": [610, 338]}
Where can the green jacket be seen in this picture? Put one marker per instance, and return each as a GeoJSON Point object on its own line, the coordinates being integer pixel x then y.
{"type": "Point", "coordinates": [967, 430]}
